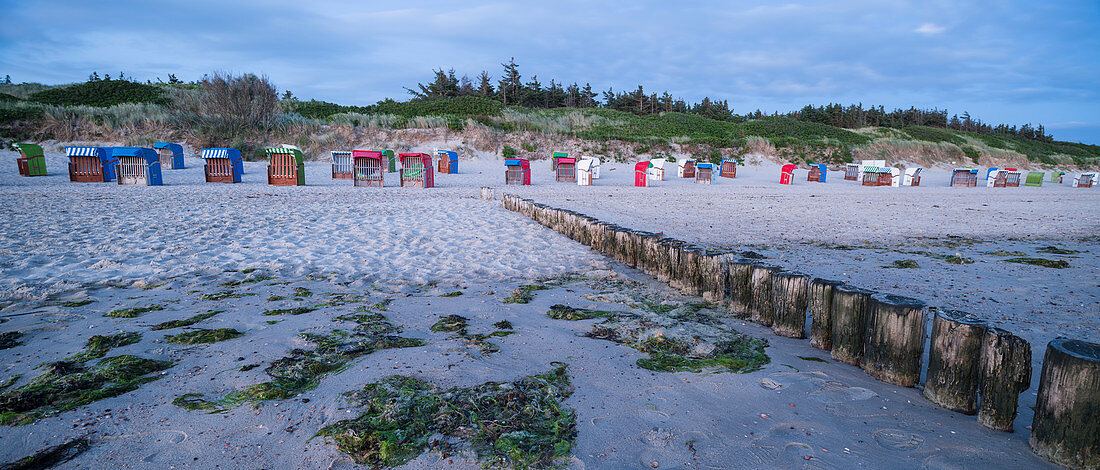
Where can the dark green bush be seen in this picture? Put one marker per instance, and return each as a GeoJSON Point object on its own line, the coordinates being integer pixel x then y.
{"type": "Point", "coordinates": [102, 93]}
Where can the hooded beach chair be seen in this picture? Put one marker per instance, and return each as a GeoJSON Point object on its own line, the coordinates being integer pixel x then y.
{"type": "Point", "coordinates": [566, 171]}
{"type": "Point", "coordinates": [851, 171]}
{"type": "Point", "coordinates": [991, 176]}
{"type": "Point", "coordinates": [389, 159]}
{"type": "Point", "coordinates": [517, 171]}
{"type": "Point", "coordinates": [728, 168]}
{"type": "Point", "coordinates": [170, 155]}
{"type": "Point", "coordinates": [875, 176]}
{"type": "Point", "coordinates": [416, 170]}
{"type": "Point", "coordinates": [704, 173]}
{"type": "Point", "coordinates": [817, 172]}
{"type": "Point", "coordinates": [786, 174]}
{"type": "Point", "coordinates": [1034, 178]}
{"type": "Point", "coordinates": [642, 174]}
{"type": "Point", "coordinates": [584, 172]}
{"type": "Point", "coordinates": [656, 169]}
{"type": "Point", "coordinates": [341, 165]}
{"type": "Point", "coordinates": [1084, 180]}
{"type": "Point", "coordinates": [1056, 176]}
{"type": "Point", "coordinates": [1012, 177]}
{"type": "Point", "coordinates": [912, 176]}
{"type": "Point", "coordinates": [685, 168]}
{"type": "Point", "coordinates": [31, 161]}
{"type": "Point", "coordinates": [137, 166]}
{"type": "Point", "coordinates": [223, 165]}
{"type": "Point", "coordinates": [448, 161]}
{"type": "Point", "coordinates": [865, 164]}
{"type": "Point", "coordinates": [368, 168]}
{"type": "Point", "coordinates": [91, 164]}
{"type": "Point", "coordinates": [895, 177]}
{"type": "Point", "coordinates": [964, 177]}
{"type": "Point", "coordinates": [554, 156]}
{"type": "Point", "coordinates": [285, 166]}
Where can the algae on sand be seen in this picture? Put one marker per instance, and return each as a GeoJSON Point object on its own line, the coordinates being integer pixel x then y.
{"type": "Point", "coordinates": [450, 323]}
{"type": "Point", "coordinates": [185, 322]}
{"type": "Point", "coordinates": [203, 336]}
{"type": "Point", "coordinates": [520, 424]}
{"type": "Point", "coordinates": [76, 303]}
{"type": "Point", "coordinates": [10, 339]}
{"type": "Point", "coordinates": [97, 346]}
{"type": "Point", "coordinates": [1046, 263]}
{"type": "Point", "coordinates": [132, 311]}
{"type": "Point", "coordinates": [228, 294]}
{"type": "Point", "coordinates": [49, 457]}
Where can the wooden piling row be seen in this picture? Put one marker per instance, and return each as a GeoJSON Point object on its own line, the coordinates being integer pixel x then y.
{"type": "Point", "coordinates": [971, 368]}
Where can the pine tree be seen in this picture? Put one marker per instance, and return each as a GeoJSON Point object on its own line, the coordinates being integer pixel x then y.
{"type": "Point", "coordinates": [485, 86]}
{"type": "Point", "coordinates": [510, 85]}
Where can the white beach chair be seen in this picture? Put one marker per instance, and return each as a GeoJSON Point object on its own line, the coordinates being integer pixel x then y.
{"type": "Point", "coordinates": [685, 167]}
{"type": "Point", "coordinates": [584, 172]}
{"type": "Point", "coordinates": [912, 176]}
{"type": "Point", "coordinates": [656, 170]}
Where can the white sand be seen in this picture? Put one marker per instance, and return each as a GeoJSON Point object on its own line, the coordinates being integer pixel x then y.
{"type": "Point", "coordinates": [382, 242]}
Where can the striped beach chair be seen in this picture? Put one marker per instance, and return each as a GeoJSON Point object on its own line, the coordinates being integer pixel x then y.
{"type": "Point", "coordinates": [31, 160]}
{"type": "Point", "coordinates": [285, 166]}
{"type": "Point", "coordinates": [416, 170]}
{"type": "Point", "coordinates": [368, 168]}
{"type": "Point", "coordinates": [171, 155]}
{"type": "Point", "coordinates": [851, 171]}
{"type": "Point", "coordinates": [964, 177]}
{"type": "Point", "coordinates": [517, 171]}
{"type": "Point", "coordinates": [341, 165]}
{"type": "Point", "coordinates": [704, 173]}
{"type": "Point", "coordinates": [91, 164]}
{"type": "Point", "coordinates": [1084, 180]}
{"type": "Point", "coordinates": [685, 168]}
{"type": "Point", "coordinates": [728, 169]}
{"type": "Point", "coordinates": [137, 166]}
{"type": "Point", "coordinates": [566, 171]}
{"type": "Point", "coordinates": [223, 165]}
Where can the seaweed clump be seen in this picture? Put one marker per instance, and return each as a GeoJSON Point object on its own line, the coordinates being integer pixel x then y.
{"type": "Point", "coordinates": [185, 322]}
{"type": "Point", "coordinates": [76, 303]}
{"type": "Point", "coordinates": [290, 311]}
{"type": "Point", "coordinates": [565, 312]}
{"type": "Point", "coordinates": [450, 323]}
{"type": "Point", "coordinates": [1056, 250]}
{"type": "Point", "coordinates": [303, 369]}
{"type": "Point", "coordinates": [903, 264]}
{"type": "Point", "coordinates": [458, 325]}
{"type": "Point", "coordinates": [519, 424]}
{"type": "Point", "coordinates": [227, 294]}
{"type": "Point", "coordinates": [204, 336]}
{"type": "Point", "coordinates": [132, 311]}
{"type": "Point", "coordinates": [97, 346]}
{"type": "Point", "coordinates": [525, 294]}
{"type": "Point", "coordinates": [1046, 263]}
{"type": "Point", "coordinates": [10, 339]}
{"type": "Point", "coordinates": [51, 456]}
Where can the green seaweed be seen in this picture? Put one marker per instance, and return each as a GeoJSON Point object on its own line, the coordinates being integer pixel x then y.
{"type": "Point", "coordinates": [952, 259]}
{"type": "Point", "coordinates": [813, 359]}
{"type": "Point", "coordinates": [1053, 250]}
{"type": "Point", "coordinates": [249, 280]}
{"type": "Point", "coordinates": [228, 294]}
{"type": "Point", "coordinates": [276, 298]}
{"type": "Point", "coordinates": [302, 292]}
{"type": "Point", "coordinates": [565, 312]}
{"type": "Point", "coordinates": [1046, 263]}
{"type": "Point", "coordinates": [249, 270]}
{"type": "Point", "coordinates": [520, 424]}
{"type": "Point", "coordinates": [525, 294]}
{"type": "Point", "coordinates": [450, 323]}
{"type": "Point", "coordinates": [51, 456]}
{"type": "Point", "coordinates": [186, 322]}
{"type": "Point", "coordinates": [1006, 253]}
{"type": "Point", "coordinates": [204, 336]}
{"type": "Point", "coordinates": [903, 264]}
{"type": "Point", "coordinates": [70, 385]}
{"type": "Point", "coordinates": [76, 303]}
{"type": "Point", "coordinates": [10, 339]}
{"type": "Point", "coordinates": [97, 346]}
{"type": "Point", "coordinates": [290, 311]}
{"type": "Point", "coordinates": [452, 294]}
{"type": "Point", "coordinates": [11, 381]}
{"type": "Point", "coordinates": [132, 311]}
{"type": "Point", "coordinates": [503, 325]}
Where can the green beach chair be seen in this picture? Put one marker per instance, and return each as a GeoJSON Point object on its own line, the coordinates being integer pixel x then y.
{"type": "Point", "coordinates": [31, 161]}
{"type": "Point", "coordinates": [1034, 178]}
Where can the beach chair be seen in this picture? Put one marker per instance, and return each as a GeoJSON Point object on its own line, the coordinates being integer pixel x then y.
{"type": "Point", "coordinates": [137, 166]}
{"type": "Point", "coordinates": [1056, 176]}
{"type": "Point", "coordinates": [872, 176]}
{"type": "Point", "coordinates": [964, 177]}
{"type": "Point", "coordinates": [91, 164]}
{"type": "Point", "coordinates": [368, 168]}
{"type": "Point", "coordinates": [865, 164]}
{"type": "Point", "coordinates": [642, 174]}
{"type": "Point", "coordinates": [1034, 178]}
{"type": "Point", "coordinates": [223, 165]}
{"type": "Point", "coordinates": [341, 165]}
{"type": "Point", "coordinates": [991, 176]}
{"type": "Point", "coordinates": [1012, 177]}
{"type": "Point", "coordinates": [554, 156]}
{"type": "Point", "coordinates": [170, 155]}
{"type": "Point", "coordinates": [448, 161]}
{"type": "Point", "coordinates": [685, 168]}
{"type": "Point", "coordinates": [704, 173]}
{"type": "Point", "coordinates": [728, 168]}
{"type": "Point", "coordinates": [895, 177]}
{"type": "Point", "coordinates": [656, 169]}
{"type": "Point", "coordinates": [912, 176]}
{"type": "Point", "coordinates": [285, 166]}
{"type": "Point", "coordinates": [31, 161]}
{"type": "Point", "coordinates": [786, 174]}
{"type": "Point", "coordinates": [584, 172]}
{"type": "Point", "coordinates": [416, 170]}
{"type": "Point", "coordinates": [595, 167]}
{"type": "Point", "coordinates": [566, 171]}
{"type": "Point", "coordinates": [851, 171]}
{"type": "Point", "coordinates": [817, 172]}
{"type": "Point", "coordinates": [1084, 180]}
{"type": "Point", "coordinates": [517, 171]}
{"type": "Point", "coordinates": [389, 159]}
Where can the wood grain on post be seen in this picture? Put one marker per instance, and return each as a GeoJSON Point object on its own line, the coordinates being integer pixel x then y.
{"type": "Point", "coordinates": [715, 276]}
{"type": "Point", "coordinates": [691, 259]}
{"type": "Point", "coordinates": [954, 360]}
{"type": "Point", "coordinates": [819, 302]}
{"type": "Point", "coordinates": [789, 290]}
{"type": "Point", "coordinates": [1066, 429]}
{"type": "Point", "coordinates": [894, 341]}
{"type": "Point", "coordinates": [760, 305]}
{"type": "Point", "coordinates": [1005, 373]}
{"type": "Point", "coordinates": [740, 287]}
{"type": "Point", "coordinates": [850, 305]}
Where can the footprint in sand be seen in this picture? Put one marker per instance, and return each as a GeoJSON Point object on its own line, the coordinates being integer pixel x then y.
{"type": "Point", "coordinates": [897, 439]}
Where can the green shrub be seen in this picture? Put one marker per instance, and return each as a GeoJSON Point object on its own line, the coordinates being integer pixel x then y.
{"type": "Point", "coordinates": [508, 151]}
{"type": "Point", "coordinates": [102, 94]}
{"type": "Point", "coordinates": [971, 152]}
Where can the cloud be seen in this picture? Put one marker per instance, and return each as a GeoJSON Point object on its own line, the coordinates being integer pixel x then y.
{"type": "Point", "coordinates": [930, 28]}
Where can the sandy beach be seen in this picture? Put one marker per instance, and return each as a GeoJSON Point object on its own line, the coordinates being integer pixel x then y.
{"type": "Point", "coordinates": [423, 254]}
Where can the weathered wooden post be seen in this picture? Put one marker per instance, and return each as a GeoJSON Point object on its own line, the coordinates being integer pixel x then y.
{"type": "Point", "coordinates": [611, 242]}
{"type": "Point", "coordinates": [656, 257]}
{"type": "Point", "coordinates": [895, 339]}
{"type": "Point", "coordinates": [691, 257]}
{"type": "Point", "coordinates": [1005, 373]}
{"type": "Point", "coordinates": [760, 305]}
{"type": "Point", "coordinates": [789, 290]}
{"type": "Point", "coordinates": [673, 247]}
{"type": "Point", "coordinates": [715, 276]}
{"type": "Point", "coordinates": [850, 306]}
{"type": "Point", "coordinates": [954, 360]}
{"type": "Point", "coordinates": [819, 302]}
{"type": "Point", "coordinates": [487, 193]}
{"type": "Point", "coordinates": [1066, 429]}
{"type": "Point", "coordinates": [740, 287]}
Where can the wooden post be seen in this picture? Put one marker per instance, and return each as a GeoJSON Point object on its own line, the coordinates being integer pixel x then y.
{"type": "Point", "coordinates": [673, 246]}
{"type": "Point", "coordinates": [740, 287]}
{"type": "Point", "coordinates": [1066, 429]}
{"type": "Point", "coordinates": [820, 304]}
{"type": "Point", "coordinates": [655, 255]}
{"type": "Point", "coordinates": [953, 361]}
{"type": "Point", "coordinates": [894, 341]}
{"type": "Point", "coordinates": [690, 269]}
{"type": "Point", "coordinates": [789, 291]}
{"type": "Point", "coordinates": [850, 306]}
{"type": "Point", "coordinates": [760, 305]}
{"type": "Point", "coordinates": [1005, 373]}
{"type": "Point", "coordinates": [715, 276]}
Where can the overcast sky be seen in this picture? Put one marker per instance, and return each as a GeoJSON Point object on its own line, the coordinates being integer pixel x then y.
{"type": "Point", "coordinates": [1003, 61]}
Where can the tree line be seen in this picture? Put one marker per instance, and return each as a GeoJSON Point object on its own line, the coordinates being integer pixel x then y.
{"type": "Point", "coordinates": [510, 89]}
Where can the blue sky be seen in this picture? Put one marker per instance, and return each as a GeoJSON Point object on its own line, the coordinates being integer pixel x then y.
{"type": "Point", "coordinates": [1003, 61]}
